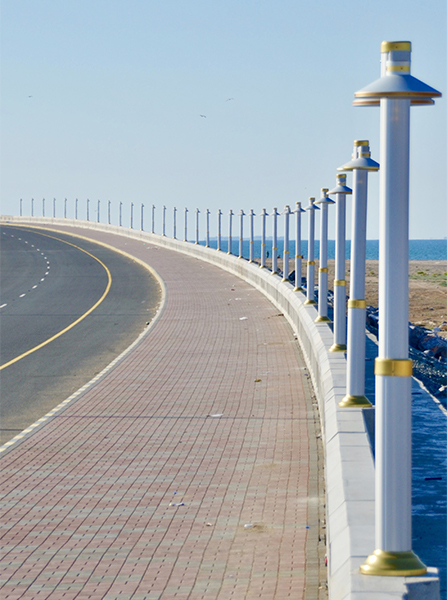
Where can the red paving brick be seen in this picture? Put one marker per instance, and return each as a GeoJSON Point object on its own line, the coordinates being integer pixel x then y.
{"type": "Point", "coordinates": [89, 499]}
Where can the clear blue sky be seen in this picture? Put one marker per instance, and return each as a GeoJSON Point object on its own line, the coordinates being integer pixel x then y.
{"type": "Point", "coordinates": [118, 87]}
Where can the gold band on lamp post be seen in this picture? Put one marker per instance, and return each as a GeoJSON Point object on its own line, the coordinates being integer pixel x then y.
{"type": "Point", "coordinates": [323, 270]}
{"type": "Point", "coordinates": [393, 367]}
{"type": "Point", "coordinates": [341, 282]}
{"type": "Point", "coordinates": [338, 348]}
{"type": "Point", "coordinates": [356, 303]}
{"type": "Point", "coordinates": [310, 262]}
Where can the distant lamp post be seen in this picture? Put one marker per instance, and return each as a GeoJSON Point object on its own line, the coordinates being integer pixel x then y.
{"type": "Point", "coordinates": [65, 208]}
{"type": "Point", "coordinates": [142, 217]}
{"type": "Point", "coordinates": [108, 211]}
{"type": "Point", "coordinates": [76, 208]}
{"type": "Point", "coordinates": [252, 236]}
{"type": "Point", "coordinates": [131, 215]}
{"type": "Point", "coordinates": [186, 225]}
{"type": "Point", "coordinates": [360, 164]}
{"type": "Point", "coordinates": [99, 213]}
{"type": "Point", "coordinates": [54, 208]}
{"type": "Point", "coordinates": [230, 237]}
{"type": "Point", "coordinates": [219, 229]}
{"type": "Point", "coordinates": [88, 209]}
{"type": "Point", "coordinates": [32, 207]}
{"type": "Point", "coordinates": [207, 228]}
{"type": "Point", "coordinates": [163, 231]}
{"type": "Point", "coordinates": [197, 225]}
{"type": "Point", "coordinates": [310, 273]}
{"type": "Point", "coordinates": [340, 191]}
{"type": "Point", "coordinates": [285, 269]}
{"type": "Point", "coordinates": [43, 207]}
{"type": "Point", "coordinates": [153, 219]}
{"type": "Point", "coordinates": [264, 214]}
{"type": "Point", "coordinates": [121, 215]}
{"type": "Point", "coordinates": [174, 219]}
{"type": "Point", "coordinates": [298, 256]}
{"type": "Point", "coordinates": [241, 233]}
{"type": "Point", "coordinates": [324, 202]}
{"type": "Point", "coordinates": [396, 91]}
{"type": "Point", "coordinates": [275, 214]}
{"type": "Point", "coordinates": [20, 213]}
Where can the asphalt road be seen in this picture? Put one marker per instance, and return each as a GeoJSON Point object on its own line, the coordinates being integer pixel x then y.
{"type": "Point", "coordinates": [48, 281]}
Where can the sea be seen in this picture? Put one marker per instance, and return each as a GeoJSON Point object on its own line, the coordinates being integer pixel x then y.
{"type": "Point", "coordinates": [418, 249]}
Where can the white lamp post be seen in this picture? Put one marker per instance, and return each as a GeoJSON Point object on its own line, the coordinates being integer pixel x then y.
{"type": "Point", "coordinates": [186, 224]}
{"type": "Point", "coordinates": [142, 217]}
{"type": "Point", "coordinates": [88, 209]}
{"type": "Point", "coordinates": [174, 219]}
{"type": "Point", "coordinates": [20, 213]}
{"type": "Point", "coordinates": [98, 208]}
{"type": "Point", "coordinates": [65, 208]}
{"type": "Point", "coordinates": [252, 235]}
{"type": "Point", "coordinates": [275, 214]}
{"type": "Point", "coordinates": [197, 225]}
{"type": "Point", "coordinates": [340, 191]}
{"type": "Point", "coordinates": [54, 207]}
{"type": "Point", "coordinates": [298, 256]}
{"type": "Point", "coordinates": [396, 90]}
{"type": "Point", "coordinates": [285, 270]}
{"type": "Point", "coordinates": [108, 212]}
{"type": "Point", "coordinates": [322, 270]}
{"type": "Point", "coordinates": [264, 214]}
{"type": "Point", "coordinates": [153, 219]}
{"type": "Point", "coordinates": [310, 274]}
{"type": "Point", "coordinates": [164, 221]}
{"type": "Point", "coordinates": [76, 208]}
{"type": "Point", "coordinates": [32, 207]}
{"type": "Point", "coordinates": [121, 214]}
{"type": "Point", "coordinates": [230, 225]}
{"type": "Point", "coordinates": [131, 215]}
{"type": "Point", "coordinates": [207, 228]}
{"type": "Point", "coordinates": [219, 229]}
{"type": "Point", "coordinates": [360, 164]}
{"type": "Point", "coordinates": [43, 207]}
{"type": "Point", "coordinates": [241, 233]}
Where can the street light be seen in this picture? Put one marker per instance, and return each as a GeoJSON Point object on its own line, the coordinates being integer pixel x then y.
{"type": "Point", "coordinates": [360, 164]}
{"type": "Point", "coordinates": [341, 190]}
{"type": "Point", "coordinates": [310, 274]}
{"type": "Point", "coordinates": [323, 270]}
{"type": "Point", "coordinates": [395, 92]}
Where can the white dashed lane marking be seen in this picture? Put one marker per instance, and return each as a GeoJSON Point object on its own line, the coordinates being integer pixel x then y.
{"type": "Point", "coordinates": [42, 279]}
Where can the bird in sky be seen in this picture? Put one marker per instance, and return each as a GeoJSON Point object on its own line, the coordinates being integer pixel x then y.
{"type": "Point", "coordinates": [204, 116]}
{"type": "Point", "coordinates": [29, 96]}
{"type": "Point", "coordinates": [228, 99]}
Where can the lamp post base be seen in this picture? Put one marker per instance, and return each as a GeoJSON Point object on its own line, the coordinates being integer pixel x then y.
{"type": "Point", "coordinates": [298, 289]}
{"type": "Point", "coordinates": [396, 564]}
{"type": "Point", "coordinates": [355, 401]}
{"type": "Point", "coordinates": [338, 348]}
{"type": "Point", "coordinates": [310, 302]}
{"type": "Point", "coordinates": [321, 319]}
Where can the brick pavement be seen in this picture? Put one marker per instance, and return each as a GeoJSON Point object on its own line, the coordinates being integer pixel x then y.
{"type": "Point", "coordinates": [136, 490]}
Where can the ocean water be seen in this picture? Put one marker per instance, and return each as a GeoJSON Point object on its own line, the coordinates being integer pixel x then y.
{"type": "Point", "coordinates": [418, 250]}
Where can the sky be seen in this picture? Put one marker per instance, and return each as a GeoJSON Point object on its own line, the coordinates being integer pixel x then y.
{"type": "Point", "coordinates": [102, 99]}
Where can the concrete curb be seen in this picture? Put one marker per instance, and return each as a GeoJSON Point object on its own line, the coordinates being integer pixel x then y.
{"type": "Point", "coordinates": [349, 465]}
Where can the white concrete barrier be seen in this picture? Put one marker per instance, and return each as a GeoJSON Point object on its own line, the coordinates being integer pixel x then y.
{"type": "Point", "coordinates": [349, 464]}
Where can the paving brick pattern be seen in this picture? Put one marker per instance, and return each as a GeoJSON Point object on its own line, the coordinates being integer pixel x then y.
{"type": "Point", "coordinates": [138, 490]}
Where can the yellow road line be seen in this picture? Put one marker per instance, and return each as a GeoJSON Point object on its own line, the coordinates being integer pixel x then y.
{"type": "Point", "coordinates": [52, 338]}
